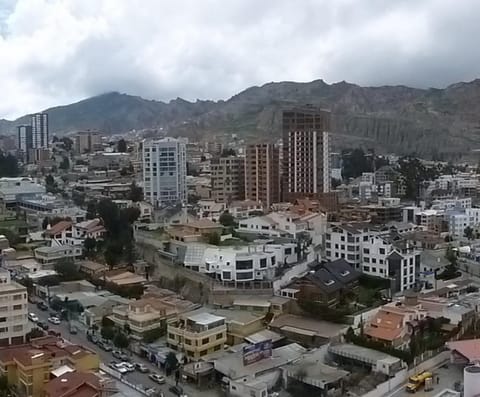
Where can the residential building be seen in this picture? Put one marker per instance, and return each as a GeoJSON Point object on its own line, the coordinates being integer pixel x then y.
{"type": "Point", "coordinates": [196, 230]}
{"type": "Point", "coordinates": [164, 171]}
{"type": "Point", "coordinates": [28, 366]}
{"type": "Point", "coordinates": [306, 152]}
{"type": "Point", "coordinates": [228, 178]}
{"type": "Point", "coordinates": [51, 255]}
{"type": "Point", "coordinates": [210, 209]}
{"type": "Point", "coordinates": [87, 142]}
{"type": "Point", "coordinates": [459, 220]}
{"type": "Point", "coordinates": [324, 285]}
{"type": "Point", "coordinates": [262, 174]}
{"type": "Point", "coordinates": [245, 208]}
{"type": "Point", "coordinates": [25, 140]}
{"type": "Point", "coordinates": [80, 384]}
{"type": "Point", "coordinates": [285, 224]}
{"type": "Point", "coordinates": [432, 220]}
{"type": "Point", "coordinates": [375, 252]}
{"type": "Point", "coordinates": [40, 135]}
{"type": "Point", "coordinates": [13, 311]}
{"type": "Point", "coordinates": [197, 334]}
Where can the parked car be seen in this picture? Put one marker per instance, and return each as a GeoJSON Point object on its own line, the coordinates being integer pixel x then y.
{"type": "Point", "coordinates": [52, 332]}
{"type": "Point", "coordinates": [54, 320]}
{"type": "Point", "coordinates": [73, 330]}
{"type": "Point", "coordinates": [93, 338]}
{"type": "Point", "coordinates": [42, 325]}
{"type": "Point", "coordinates": [42, 306]}
{"type": "Point", "coordinates": [178, 391]}
{"type": "Point", "coordinates": [33, 317]}
{"type": "Point", "coordinates": [142, 368]}
{"type": "Point", "coordinates": [31, 299]}
{"type": "Point", "coordinates": [116, 353]}
{"type": "Point", "coordinates": [105, 346]}
{"type": "Point", "coordinates": [128, 366]}
{"type": "Point", "coordinates": [157, 378]}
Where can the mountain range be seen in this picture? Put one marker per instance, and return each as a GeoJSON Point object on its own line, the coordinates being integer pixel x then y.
{"type": "Point", "coordinates": [403, 120]}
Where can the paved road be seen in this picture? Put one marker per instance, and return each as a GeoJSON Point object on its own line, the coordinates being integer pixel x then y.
{"type": "Point", "coordinates": [135, 377]}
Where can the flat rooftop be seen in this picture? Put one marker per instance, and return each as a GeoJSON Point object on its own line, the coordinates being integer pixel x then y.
{"type": "Point", "coordinates": [360, 353]}
{"type": "Point", "coordinates": [205, 318]}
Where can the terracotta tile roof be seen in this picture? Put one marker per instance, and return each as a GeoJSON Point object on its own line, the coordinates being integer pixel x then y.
{"type": "Point", "coordinates": [58, 228]}
{"type": "Point", "coordinates": [470, 349]}
{"type": "Point", "coordinates": [386, 325]}
{"type": "Point", "coordinates": [74, 384]}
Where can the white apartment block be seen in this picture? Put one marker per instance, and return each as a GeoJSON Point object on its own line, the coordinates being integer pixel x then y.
{"type": "Point", "coordinates": [239, 265]}
{"type": "Point", "coordinates": [374, 253]}
{"type": "Point", "coordinates": [210, 209]}
{"type": "Point", "coordinates": [459, 220]}
{"type": "Point", "coordinates": [450, 204]}
{"type": "Point", "coordinates": [164, 171]}
{"type": "Point", "coordinates": [13, 311]}
{"type": "Point", "coordinates": [40, 134]}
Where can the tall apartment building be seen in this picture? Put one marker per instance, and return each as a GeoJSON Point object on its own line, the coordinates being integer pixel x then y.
{"type": "Point", "coordinates": [262, 174]}
{"type": "Point", "coordinates": [40, 137]}
{"type": "Point", "coordinates": [87, 142]}
{"type": "Point", "coordinates": [228, 178]}
{"type": "Point", "coordinates": [25, 140]}
{"type": "Point", "coordinates": [306, 153]}
{"type": "Point", "coordinates": [164, 171]}
{"type": "Point", "coordinates": [13, 311]}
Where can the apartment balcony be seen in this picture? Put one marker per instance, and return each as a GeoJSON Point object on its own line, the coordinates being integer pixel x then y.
{"type": "Point", "coordinates": [188, 334]}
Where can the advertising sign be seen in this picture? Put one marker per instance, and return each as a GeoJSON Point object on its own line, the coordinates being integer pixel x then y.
{"type": "Point", "coordinates": [256, 352]}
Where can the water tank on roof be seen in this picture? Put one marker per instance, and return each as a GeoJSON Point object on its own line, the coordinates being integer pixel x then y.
{"type": "Point", "coordinates": [471, 381]}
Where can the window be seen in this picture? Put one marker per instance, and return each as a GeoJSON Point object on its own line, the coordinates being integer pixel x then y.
{"type": "Point", "coordinates": [288, 251]}
{"type": "Point", "coordinates": [4, 309]}
{"type": "Point", "coordinates": [217, 348]}
{"type": "Point", "coordinates": [188, 341]}
{"type": "Point", "coordinates": [171, 336]}
{"type": "Point", "coordinates": [342, 238]}
{"type": "Point", "coordinates": [374, 260]}
{"type": "Point", "coordinates": [17, 328]}
{"type": "Point", "coordinates": [263, 262]}
{"type": "Point", "coordinates": [17, 297]}
{"type": "Point", "coordinates": [342, 247]}
{"type": "Point", "coordinates": [273, 261]}
{"type": "Point", "coordinates": [366, 268]}
{"type": "Point", "coordinates": [366, 259]}
{"type": "Point", "coordinates": [3, 319]}
{"type": "Point", "coordinates": [203, 353]}
{"type": "Point", "coordinates": [382, 251]}
{"type": "Point", "coordinates": [219, 336]}
{"type": "Point", "coordinates": [366, 251]}
{"type": "Point", "coordinates": [17, 307]}
{"type": "Point", "coordinates": [374, 269]}
{"type": "Point", "coordinates": [245, 276]}
{"type": "Point", "coordinates": [244, 265]}
{"type": "Point", "coordinates": [205, 341]}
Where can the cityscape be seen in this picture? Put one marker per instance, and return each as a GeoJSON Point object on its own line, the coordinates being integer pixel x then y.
{"type": "Point", "coordinates": [286, 241]}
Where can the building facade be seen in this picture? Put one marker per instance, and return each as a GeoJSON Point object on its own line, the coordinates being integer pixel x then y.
{"type": "Point", "coordinates": [306, 152]}
{"type": "Point", "coordinates": [13, 311]}
{"type": "Point", "coordinates": [40, 134]}
{"type": "Point", "coordinates": [86, 142]}
{"type": "Point", "coordinates": [228, 179]}
{"type": "Point", "coordinates": [197, 334]}
{"type": "Point", "coordinates": [164, 171]}
{"type": "Point", "coordinates": [262, 174]}
{"type": "Point", "coordinates": [24, 140]}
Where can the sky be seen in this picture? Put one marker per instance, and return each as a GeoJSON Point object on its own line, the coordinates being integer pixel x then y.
{"type": "Point", "coordinates": [55, 52]}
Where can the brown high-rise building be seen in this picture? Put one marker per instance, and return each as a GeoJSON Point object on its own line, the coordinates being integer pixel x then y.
{"type": "Point", "coordinates": [262, 174]}
{"type": "Point", "coordinates": [228, 178]}
{"type": "Point", "coordinates": [306, 159]}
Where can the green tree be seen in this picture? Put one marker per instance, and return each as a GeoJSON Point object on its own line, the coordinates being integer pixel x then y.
{"type": "Point", "coordinates": [136, 193]}
{"type": "Point", "coordinates": [67, 270]}
{"type": "Point", "coordinates": [122, 146]}
{"type": "Point", "coordinates": [227, 219]}
{"type": "Point", "coordinates": [45, 222]}
{"type": "Point", "coordinates": [8, 165]}
{"type": "Point", "coordinates": [171, 362]}
{"type": "Point", "coordinates": [89, 244]}
{"type": "Point", "coordinates": [91, 210]}
{"type": "Point", "coordinates": [65, 163]}
{"type": "Point", "coordinates": [34, 333]}
{"type": "Point", "coordinates": [107, 333]}
{"type": "Point", "coordinates": [67, 143]}
{"type": "Point", "coordinates": [468, 233]}
{"type": "Point", "coordinates": [213, 238]}
{"type": "Point", "coordinates": [228, 152]}
{"type": "Point", "coordinates": [50, 184]}
{"type": "Point", "coordinates": [121, 340]}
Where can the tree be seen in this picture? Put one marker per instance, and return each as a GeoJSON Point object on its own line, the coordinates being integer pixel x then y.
{"type": "Point", "coordinates": [8, 165]}
{"type": "Point", "coordinates": [67, 143]}
{"type": "Point", "coordinates": [122, 146]}
{"type": "Point", "coordinates": [227, 219]}
{"type": "Point", "coordinates": [336, 183]}
{"type": "Point", "coordinates": [45, 222]}
{"type": "Point", "coordinates": [65, 164]}
{"type": "Point", "coordinates": [136, 193]}
{"type": "Point", "coordinates": [107, 333]}
{"type": "Point", "coordinates": [171, 362]}
{"type": "Point", "coordinates": [67, 270]}
{"type": "Point", "coordinates": [120, 340]}
{"type": "Point", "coordinates": [89, 245]}
{"type": "Point", "coordinates": [50, 182]}
{"type": "Point", "coordinates": [129, 215]}
{"type": "Point", "coordinates": [213, 238]}
{"type": "Point", "coordinates": [228, 152]}
{"type": "Point", "coordinates": [78, 198]}
{"type": "Point", "coordinates": [468, 233]}
{"type": "Point", "coordinates": [153, 334]}
{"type": "Point", "coordinates": [91, 210]}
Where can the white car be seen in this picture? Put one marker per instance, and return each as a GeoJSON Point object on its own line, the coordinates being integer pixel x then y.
{"type": "Point", "coordinates": [129, 367]}
{"type": "Point", "coordinates": [54, 320]}
{"type": "Point", "coordinates": [33, 317]}
{"type": "Point", "coordinates": [119, 367]}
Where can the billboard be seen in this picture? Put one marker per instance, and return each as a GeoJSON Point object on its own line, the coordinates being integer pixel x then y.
{"type": "Point", "coordinates": [256, 352]}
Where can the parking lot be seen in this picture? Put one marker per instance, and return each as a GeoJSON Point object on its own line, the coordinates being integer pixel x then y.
{"type": "Point", "coordinates": [136, 377]}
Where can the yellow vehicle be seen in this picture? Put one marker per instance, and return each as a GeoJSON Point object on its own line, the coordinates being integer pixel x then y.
{"type": "Point", "coordinates": [417, 381]}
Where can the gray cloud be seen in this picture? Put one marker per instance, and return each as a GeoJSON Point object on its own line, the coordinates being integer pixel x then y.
{"type": "Point", "coordinates": [54, 52]}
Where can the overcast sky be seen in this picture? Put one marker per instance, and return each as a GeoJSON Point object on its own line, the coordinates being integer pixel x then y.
{"type": "Point", "coordinates": [56, 52]}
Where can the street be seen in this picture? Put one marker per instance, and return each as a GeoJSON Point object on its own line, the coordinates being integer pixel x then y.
{"type": "Point", "coordinates": [135, 377]}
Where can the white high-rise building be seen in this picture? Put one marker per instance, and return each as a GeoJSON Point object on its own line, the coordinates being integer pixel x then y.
{"type": "Point", "coordinates": [165, 171]}
{"type": "Point", "coordinates": [40, 130]}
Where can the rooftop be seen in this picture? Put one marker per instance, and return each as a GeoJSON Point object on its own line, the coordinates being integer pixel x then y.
{"type": "Point", "coordinates": [470, 349]}
{"type": "Point", "coordinates": [301, 324]}
{"type": "Point", "coordinates": [204, 318]}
